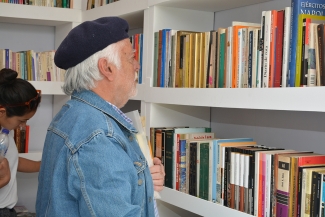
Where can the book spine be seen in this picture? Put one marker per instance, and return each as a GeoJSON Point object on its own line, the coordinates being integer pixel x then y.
{"type": "Point", "coordinates": [204, 171]}
{"type": "Point", "coordinates": [226, 181]}
{"type": "Point", "coordinates": [283, 188]}
{"type": "Point", "coordinates": [232, 180]}
{"type": "Point", "coordinates": [279, 48]}
{"type": "Point", "coordinates": [293, 42]}
{"type": "Point", "coordinates": [169, 159]}
{"type": "Point", "coordinates": [267, 50]}
{"type": "Point", "coordinates": [299, 192]}
{"type": "Point", "coordinates": [182, 177]}
{"type": "Point", "coordinates": [322, 203]}
{"type": "Point", "coordinates": [321, 52]}
{"type": "Point", "coordinates": [308, 191]}
{"type": "Point", "coordinates": [286, 46]}
{"type": "Point", "coordinates": [250, 58]}
{"type": "Point", "coordinates": [188, 152]}
{"type": "Point", "coordinates": [222, 60]}
{"type": "Point", "coordinates": [192, 180]}
{"type": "Point", "coordinates": [313, 194]}
{"type": "Point", "coordinates": [214, 172]}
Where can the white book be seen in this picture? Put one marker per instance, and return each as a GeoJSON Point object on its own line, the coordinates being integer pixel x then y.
{"type": "Point", "coordinates": [232, 168]}
{"type": "Point", "coordinates": [267, 49]}
{"type": "Point", "coordinates": [241, 39]}
{"type": "Point", "coordinates": [254, 58]}
{"type": "Point", "coordinates": [237, 180]}
{"type": "Point", "coordinates": [311, 56]}
{"type": "Point", "coordinates": [260, 53]}
{"type": "Point", "coordinates": [286, 46]}
{"type": "Point", "coordinates": [247, 201]}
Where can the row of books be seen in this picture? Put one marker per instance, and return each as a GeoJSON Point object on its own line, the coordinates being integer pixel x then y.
{"type": "Point", "coordinates": [240, 174]}
{"type": "Point", "coordinates": [246, 55]}
{"type": "Point", "coordinates": [32, 65]}
{"type": "Point", "coordinates": [21, 137]}
{"type": "Point", "coordinates": [97, 3]}
{"type": "Point", "coordinates": [40, 66]}
{"type": "Point", "coordinates": [46, 3]}
{"type": "Point", "coordinates": [137, 44]}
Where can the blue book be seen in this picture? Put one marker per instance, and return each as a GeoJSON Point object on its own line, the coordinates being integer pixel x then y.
{"type": "Point", "coordinates": [182, 148]}
{"type": "Point", "coordinates": [164, 46]}
{"type": "Point", "coordinates": [141, 57]}
{"type": "Point", "coordinates": [7, 59]}
{"type": "Point", "coordinates": [312, 7]}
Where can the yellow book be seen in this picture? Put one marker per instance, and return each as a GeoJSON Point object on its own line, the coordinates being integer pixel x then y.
{"type": "Point", "coordinates": [192, 60]}
{"type": "Point", "coordinates": [186, 61]}
{"type": "Point", "coordinates": [179, 57]}
{"type": "Point", "coordinates": [202, 55]}
{"type": "Point", "coordinates": [197, 60]}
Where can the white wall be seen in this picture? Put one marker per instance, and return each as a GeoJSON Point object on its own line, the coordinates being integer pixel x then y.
{"type": "Point", "coordinates": [248, 14]}
{"type": "Point", "coordinates": [19, 37]}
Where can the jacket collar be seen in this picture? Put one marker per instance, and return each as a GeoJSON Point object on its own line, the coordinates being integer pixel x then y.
{"type": "Point", "coordinates": [93, 100]}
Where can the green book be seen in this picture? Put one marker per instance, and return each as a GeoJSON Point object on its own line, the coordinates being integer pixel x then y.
{"type": "Point", "coordinates": [222, 60]}
{"type": "Point", "coordinates": [204, 171]}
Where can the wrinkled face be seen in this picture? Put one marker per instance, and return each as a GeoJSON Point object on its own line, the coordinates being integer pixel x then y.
{"type": "Point", "coordinates": [11, 123]}
{"type": "Point", "coordinates": [128, 73]}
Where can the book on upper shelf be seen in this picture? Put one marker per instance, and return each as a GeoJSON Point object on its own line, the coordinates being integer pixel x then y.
{"type": "Point", "coordinates": [312, 7]}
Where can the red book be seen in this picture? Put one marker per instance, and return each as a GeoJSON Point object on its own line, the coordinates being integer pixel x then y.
{"type": "Point", "coordinates": [27, 139]}
{"type": "Point", "coordinates": [279, 50]}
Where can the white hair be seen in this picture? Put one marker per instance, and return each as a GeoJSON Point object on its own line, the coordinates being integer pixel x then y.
{"type": "Point", "coordinates": [84, 75]}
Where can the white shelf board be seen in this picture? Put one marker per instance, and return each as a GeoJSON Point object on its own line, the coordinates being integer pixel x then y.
{"type": "Point", "coordinates": [38, 15]}
{"type": "Point", "coordinates": [36, 156]}
{"type": "Point", "coordinates": [205, 5]}
{"type": "Point", "coordinates": [48, 87]}
{"type": "Point", "coordinates": [130, 10]}
{"type": "Point", "coordinates": [290, 99]}
{"type": "Point", "coordinates": [197, 205]}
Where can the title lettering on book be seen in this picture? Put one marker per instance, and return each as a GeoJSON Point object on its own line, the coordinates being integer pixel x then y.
{"type": "Point", "coordinates": [312, 8]}
{"type": "Point", "coordinates": [202, 137]}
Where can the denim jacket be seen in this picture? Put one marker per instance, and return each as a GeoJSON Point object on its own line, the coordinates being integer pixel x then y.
{"type": "Point", "coordinates": [92, 164]}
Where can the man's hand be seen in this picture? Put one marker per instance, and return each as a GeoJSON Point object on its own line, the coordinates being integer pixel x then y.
{"type": "Point", "coordinates": [4, 172]}
{"type": "Point", "coordinates": [158, 174]}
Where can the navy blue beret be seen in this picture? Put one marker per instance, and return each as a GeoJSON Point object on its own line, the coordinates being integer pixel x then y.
{"type": "Point", "coordinates": [88, 38]}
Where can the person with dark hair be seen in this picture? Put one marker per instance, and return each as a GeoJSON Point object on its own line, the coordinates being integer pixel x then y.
{"type": "Point", "coordinates": [18, 103]}
{"type": "Point", "coordinates": [92, 164]}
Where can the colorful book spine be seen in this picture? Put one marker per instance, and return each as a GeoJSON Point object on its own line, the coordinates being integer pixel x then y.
{"type": "Point", "coordinates": [182, 175]}
{"type": "Point", "coordinates": [315, 7]}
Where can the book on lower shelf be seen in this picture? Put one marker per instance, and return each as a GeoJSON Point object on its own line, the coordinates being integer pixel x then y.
{"type": "Point", "coordinates": [22, 211]}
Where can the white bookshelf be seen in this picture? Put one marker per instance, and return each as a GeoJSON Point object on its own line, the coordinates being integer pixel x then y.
{"type": "Point", "coordinates": [37, 15]}
{"type": "Point", "coordinates": [37, 156]}
{"type": "Point", "coordinates": [197, 205]}
{"type": "Point", "coordinates": [183, 106]}
{"type": "Point", "coordinates": [49, 87]}
{"type": "Point", "coordinates": [289, 99]}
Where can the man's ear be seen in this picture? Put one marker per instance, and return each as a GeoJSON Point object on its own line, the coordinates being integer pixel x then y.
{"type": "Point", "coordinates": [2, 112]}
{"type": "Point", "coordinates": [106, 69]}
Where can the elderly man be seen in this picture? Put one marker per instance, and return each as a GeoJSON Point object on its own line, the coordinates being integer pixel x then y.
{"type": "Point", "coordinates": [92, 164]}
